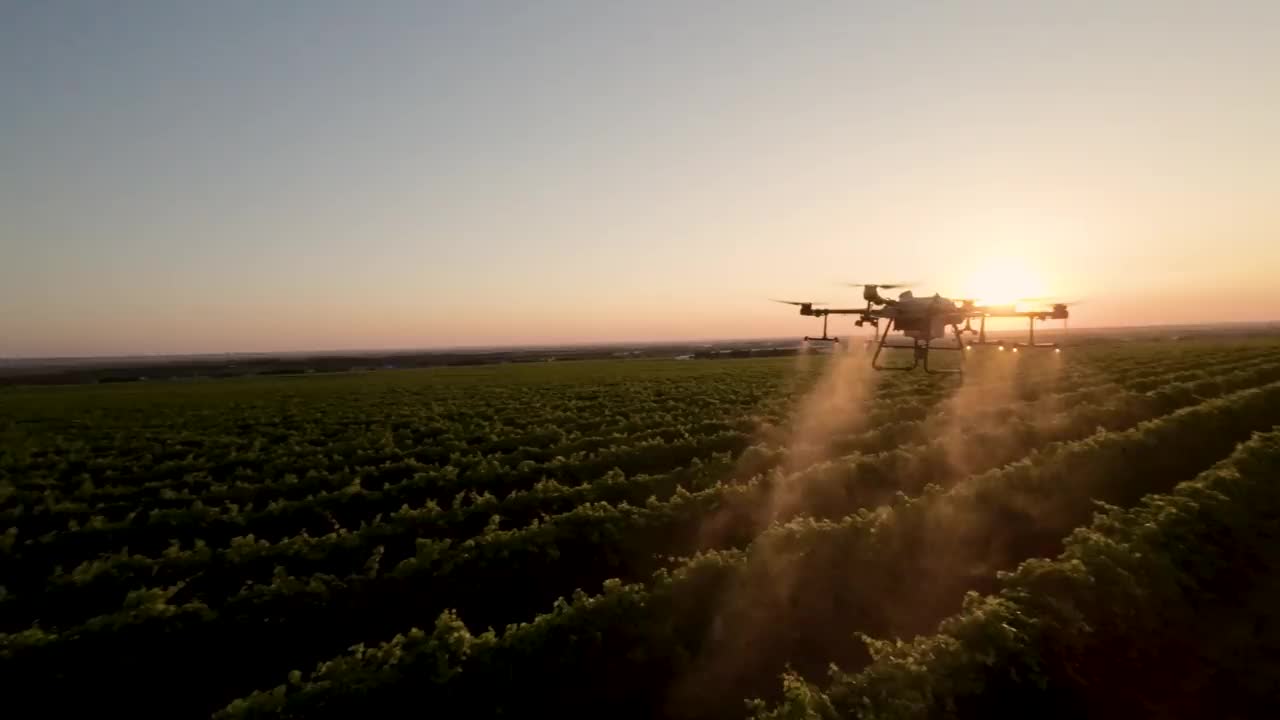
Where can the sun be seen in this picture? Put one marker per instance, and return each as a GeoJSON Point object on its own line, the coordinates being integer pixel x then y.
{"type": "Point", "coordinates": [1004, 281]}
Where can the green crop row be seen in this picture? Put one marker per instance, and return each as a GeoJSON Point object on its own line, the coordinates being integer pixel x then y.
{"type": "Point", "coordinates": [294, 617]}
{"type": "Point", "coordinates": [1167, 609]}
{"type": "Point", "coordinates": [471, 509]}
{"type": "Point", "coordinates": [397, 539]}
{"type": "Point", "coordinates": [698, 640]}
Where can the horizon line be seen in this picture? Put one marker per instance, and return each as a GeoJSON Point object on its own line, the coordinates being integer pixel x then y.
{"type": "Point", "coordinates": [549, 345]}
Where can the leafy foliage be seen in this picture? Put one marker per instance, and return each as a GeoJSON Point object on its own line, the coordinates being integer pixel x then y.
{"type": "Point", "coordinates": [635, 538]}
{"type": "Point", "coordinates": [1166, 608]}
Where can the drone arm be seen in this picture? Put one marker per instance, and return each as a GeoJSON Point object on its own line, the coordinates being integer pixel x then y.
{"type": "Point", "coordinates": [1059, 312]}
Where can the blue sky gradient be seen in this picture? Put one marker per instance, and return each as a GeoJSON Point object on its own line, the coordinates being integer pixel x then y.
{"type": "Point", "coordinates": [248, 176]}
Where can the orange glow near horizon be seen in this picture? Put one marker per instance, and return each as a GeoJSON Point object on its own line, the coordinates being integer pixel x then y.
{"type": "Point", "coordinates": [1005, 280]}
{"type": "Point", "coordinates": [439, 178]}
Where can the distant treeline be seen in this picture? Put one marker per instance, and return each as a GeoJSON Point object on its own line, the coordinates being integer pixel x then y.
{"type": "Point", "coordinates": [229, 367]}
{"type": "Point", "coordinates": [213, 370]}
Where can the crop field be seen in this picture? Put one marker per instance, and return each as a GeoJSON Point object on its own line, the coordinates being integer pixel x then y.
{"type": "Point", "coordinates": [1092, 533]}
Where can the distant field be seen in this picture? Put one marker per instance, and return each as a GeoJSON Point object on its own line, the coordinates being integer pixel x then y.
{"type": "Point", "coordinates": [653, 538]}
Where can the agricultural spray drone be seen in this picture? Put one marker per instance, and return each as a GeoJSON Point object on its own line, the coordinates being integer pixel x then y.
{"type": "Point", "coordinates": [927, 319]}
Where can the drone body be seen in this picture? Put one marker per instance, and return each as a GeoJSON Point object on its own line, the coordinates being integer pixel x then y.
{"type": "Point", "coordinates": [926, 320]}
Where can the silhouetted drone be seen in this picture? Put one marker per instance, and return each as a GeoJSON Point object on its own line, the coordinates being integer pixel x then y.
{"type": "Point", "coordinates": [925, 319]}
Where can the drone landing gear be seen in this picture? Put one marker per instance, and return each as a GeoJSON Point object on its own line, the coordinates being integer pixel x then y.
{"type": "Point", "coordinates": [920, 352]}
{"type": "Point", "coordinates": [825, 337]}
{"type": "Point", "coordinates": [1015, 346]}
{"type": "Point", "coordinates": [1031, 338]}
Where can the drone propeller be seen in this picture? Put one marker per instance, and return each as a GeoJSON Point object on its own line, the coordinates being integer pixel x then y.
{"type": "Point", "coordinates": [794, 302]}
{"type": "Point", "coordinates": [887, 286]}
{"type": "Point", "coordinates": [1051, 301]}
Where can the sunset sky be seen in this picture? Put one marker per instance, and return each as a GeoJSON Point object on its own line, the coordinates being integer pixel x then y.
{"type": "Point", "coordinates": [258, 176]}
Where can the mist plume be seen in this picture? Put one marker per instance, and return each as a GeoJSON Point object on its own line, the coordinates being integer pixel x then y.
{"type": "Point", "coordinates": [744, 637]}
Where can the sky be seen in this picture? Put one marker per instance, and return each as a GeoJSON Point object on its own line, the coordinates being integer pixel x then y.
{"type": "Point", "coordinates": [237, 176]}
